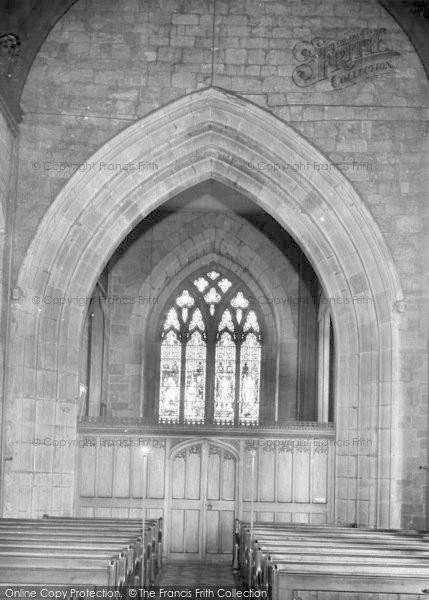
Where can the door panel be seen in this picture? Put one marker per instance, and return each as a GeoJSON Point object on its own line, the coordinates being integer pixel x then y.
{"type": "Point", "coordinates": [221, 500]}
{"type": "Point", "coordinates": [192, 531]}
{"type": "Point", "coordinates": [212, 531]}
{"type": "Point", "coordinates": [186, 491]}
{"type": "Point", "coordinates": [179, 474]}
{"type": "Point", "coordinates": [203, 501]}
{"type": "Point", "coordinates": [219, 532]}
{"type": "Point", "coordinates": [214, 467]}
{"type": "Point", "coordinates": [229, 476]}
{"type": "Point", "coordinates": [193, 473]}
{"type": "Point", "coordinates": [226, 527]}
{"type": "Point", "coordinates": [177, 521]}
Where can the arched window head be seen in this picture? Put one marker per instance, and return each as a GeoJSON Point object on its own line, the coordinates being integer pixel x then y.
{"type": "Point", "coordinates": [210, 360]}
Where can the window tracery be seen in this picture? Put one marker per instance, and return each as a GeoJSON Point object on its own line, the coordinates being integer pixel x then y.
{"type": "Point", "coordinates": [210, 359]}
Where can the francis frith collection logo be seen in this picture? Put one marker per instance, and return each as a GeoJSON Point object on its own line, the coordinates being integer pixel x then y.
{"type": "Point", "coordinates": [343, 62]}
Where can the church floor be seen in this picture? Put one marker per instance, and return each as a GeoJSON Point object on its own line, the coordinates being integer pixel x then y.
{"type": "Point", "coordinates": [189, 574]}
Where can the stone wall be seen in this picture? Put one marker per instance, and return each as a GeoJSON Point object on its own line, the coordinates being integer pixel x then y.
{"type": "Point", "coordinates": [7, 156]}
{"type": "Point", "coordinates": [102, 68]}
{"type": "Point", "coordinates": [7, 199]}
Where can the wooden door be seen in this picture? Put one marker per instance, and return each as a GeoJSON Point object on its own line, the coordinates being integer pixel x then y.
{"type": "Point", "coordinates": [203, 501]}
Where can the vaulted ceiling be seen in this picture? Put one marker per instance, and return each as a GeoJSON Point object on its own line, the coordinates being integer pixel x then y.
{"type": "Point", "coordinates": [29, 22]}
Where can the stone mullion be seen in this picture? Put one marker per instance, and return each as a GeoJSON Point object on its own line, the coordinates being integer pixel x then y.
{"type": "Point", "coordinates": [237, 382]}
{"type": "Point", "coordinates": [182, 380]}
{"type": "Point", "coordinates": [210, 376]}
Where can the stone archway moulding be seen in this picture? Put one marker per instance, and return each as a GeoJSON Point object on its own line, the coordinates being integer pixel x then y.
{"type": "Point", "coordinates": [209, 134]}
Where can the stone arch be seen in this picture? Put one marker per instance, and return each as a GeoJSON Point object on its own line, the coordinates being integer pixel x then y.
{"type": "Point", "coordinates": [211, 134]}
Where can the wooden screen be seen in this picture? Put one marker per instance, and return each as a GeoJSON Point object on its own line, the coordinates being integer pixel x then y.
{"type": "Point", "coordinates": [199, 484]}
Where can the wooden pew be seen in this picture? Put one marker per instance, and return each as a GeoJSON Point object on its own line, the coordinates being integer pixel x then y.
{"type": "Point", "coordinates": [79, 545]}
{"type": "Point", "coordinates": [124, 549]}
{"type": "Point", "coordinates": [283, 536]}
{"type": "Point", "coordinates": [288, 579]}
{"type": "Point", "coordinates": [76, 527]}
{"type": "Point", "coordinates": [278, 548]}
{"type": "Point", "coordinates": [282, 531]}
{"type": "Point", "coordinates": [100, 551]}
{"type": "Point", "coordinates": [265, 560]}
{"type": "Point", "coordinates": [105, 575]}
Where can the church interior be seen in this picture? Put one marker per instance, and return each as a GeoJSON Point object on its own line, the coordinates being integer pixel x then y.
{"type": "Point", "coordinates": [214, 307]}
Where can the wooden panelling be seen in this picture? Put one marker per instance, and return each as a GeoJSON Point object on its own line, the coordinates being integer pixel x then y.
{"type": "Point", "coordinates": [265, 516]}
{"type": "Point", "coordinates": [228, 481]}
{"type": "Point", "coordinates": [284, 476]}
{"type": "Point", "coordinates": [179, 479]}
{"type": "Point", "coordinates": [177, 524]}
{"type": "Point", "coordinates": [247, 481]}
{"type": "Point", "coordinates": [200, 485]}
{"type": "Point", "coordinates": [301, 517]}
{"type": "Point", "coordinates": [192, 530]}
{"type": "Point", "coordinates": [267, 475]}
{"type": "Point", "coordinates": [219, 528]}
{"type": "Point", "coordinates": [156, 470]}
{"type": "Point", "coordinates": [318, 518]}
{"type": "Point", "coordinates": [285, 517]}
{"type": "Point", "coordinates": [104, 471]}
{"type": "Point", "coordinates": [301, 474]}
{"type": "Point", "coordinates": [193, 473]}
{"type": "Point", "coordinates": [212, 531]}
{"type": "Point", "coordinates": [214, 467]}
{"type": "Point", "coordinates": [86, 473]}
{"type": "Point", "coordinates": [137, 473]}
{"type": "Point", "coordinates": [121, 473]}
{"type": "Point", "coordinates": [226, 525]}
{"type": "Point", "coordinates": [319, 477]}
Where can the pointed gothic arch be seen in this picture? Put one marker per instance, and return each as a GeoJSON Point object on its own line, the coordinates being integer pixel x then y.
{"type": "Point", "coordinates": [213, 134]}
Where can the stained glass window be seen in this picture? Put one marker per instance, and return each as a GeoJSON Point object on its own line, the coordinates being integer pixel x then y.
{"type": "Point", "coordinates": [172, 320]}
{"type": "Point", "coordinates": [224, 401]}
{"type": "Point", "coordinates": [250, 361]}
{"type": "Point", "coordinates": [239, 301]}
{"type": "Point", "coordinates": [201, 284]}
{"type": "Point", "coordinates": [251, 322]}
{"type": "Point", "coordinates": [210, 363]}
{"type": "Point", "coordinates": [197, 321]}
{"type": "Point", "coordinates": [226, 321]}
{"type": "Point", "coordinates": [195, 384]}
{"type": "Point", "coordinates": [169, 399]}
{"type": "Point", "coordinates": [224, 284]}
{"type": "Point", "coordinates": [212, 296]}
{"type": "Point", "coordinates": [185, 299]}
{"type": "Point", "coordinates": [213, 274]}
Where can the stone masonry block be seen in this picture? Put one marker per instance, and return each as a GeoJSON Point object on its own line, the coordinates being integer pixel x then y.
{"type": "Point", "coordinates": [236, 56]}
{"type": "Point", "coordinates": [185, 19]}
